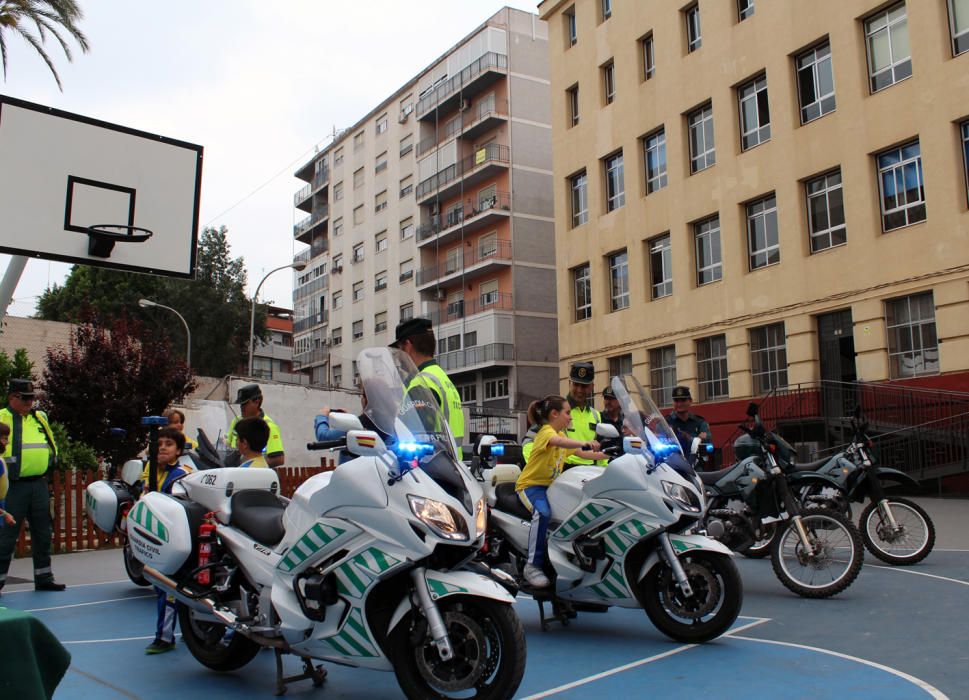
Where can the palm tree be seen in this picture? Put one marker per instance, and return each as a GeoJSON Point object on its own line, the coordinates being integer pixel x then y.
{"type": "Point", "coordinates": [46, 17]}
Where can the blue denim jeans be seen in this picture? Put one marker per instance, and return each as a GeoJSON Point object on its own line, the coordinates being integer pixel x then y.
{"type": "Point", "coordinates": [535, 499]}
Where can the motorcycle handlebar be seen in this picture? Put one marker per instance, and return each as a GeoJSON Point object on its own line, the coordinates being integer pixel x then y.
{"type": "Point", "coordinates": [326, 445]}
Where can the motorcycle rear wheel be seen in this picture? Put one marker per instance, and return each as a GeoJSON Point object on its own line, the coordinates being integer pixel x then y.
{"type": "Point", "coordinates": [824, 573]}
{"type": "Point", "coordinates": [911, 545]}
{"type": "Point", "coordinates": [134, 568]}
{"type": "Point", "coordinates": [208, 644]}
{"type": "Point", "coordinates": [718, 594]}
{"type": "Point", "coordinates": [489, 652]}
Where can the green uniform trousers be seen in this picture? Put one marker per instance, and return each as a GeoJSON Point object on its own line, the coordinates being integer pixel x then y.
{"type": "Point", "coordinates": [28, 498]}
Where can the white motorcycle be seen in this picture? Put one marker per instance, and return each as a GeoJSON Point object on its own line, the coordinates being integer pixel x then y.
{"type": "Point", "coordinates": [367, 566]}
{"type": "Point", "coordinates": [619, 535]}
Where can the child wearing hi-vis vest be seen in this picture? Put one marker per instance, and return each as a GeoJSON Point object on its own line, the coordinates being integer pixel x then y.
{"type": "Point", "coordinates": [553, 414]}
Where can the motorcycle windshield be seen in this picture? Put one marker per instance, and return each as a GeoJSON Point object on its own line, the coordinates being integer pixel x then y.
{"type": "Point", "coordinates": [402, 406]}
{"type": "Point", "coordinates": [643, 418]}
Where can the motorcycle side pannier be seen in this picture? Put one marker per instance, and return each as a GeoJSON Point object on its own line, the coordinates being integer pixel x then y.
{"type": "Point", "coordinates": [106, 502]}
{"type": "Point", "coordinates": [163, 531]}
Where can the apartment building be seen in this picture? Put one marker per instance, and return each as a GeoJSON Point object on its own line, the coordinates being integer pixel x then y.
{"type": "Point", "coordinates": [438, 203]}
{"type": "Point", "coordinates": [753, 194]}
{"type": "Point", "coordinates": [273, 358]}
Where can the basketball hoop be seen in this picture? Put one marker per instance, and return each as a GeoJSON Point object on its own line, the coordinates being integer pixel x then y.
{"type": "Point", "coordinates": [102, 237]}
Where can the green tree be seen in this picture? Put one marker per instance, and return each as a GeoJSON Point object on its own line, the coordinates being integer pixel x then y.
{"type": "Point", "coordinates": [214, 305]}
{"type": "Point", "coordinates": [111, 377]}
{"type": "Point", "coordinates": [34, 20]}
{"type": "Point", "coordinates": [20, 367]}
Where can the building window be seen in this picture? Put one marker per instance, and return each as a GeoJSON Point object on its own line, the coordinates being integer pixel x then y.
{"type": "Point", "coordinates": [703, 153]}
{"type": "Point", "coordinates": [338, 336]}
{"type": "Point", "coordinates": [582, 292]}
{"type": "Point", "coordinates": [826, 211]}
{"type": "Point", "coordinates": [407, 311]}
{"type": "Point", "coordinates": [468, 392]}
{"type": "Point", "coordinates": [768, 358]}
{"type": "Point", "coordinates": [358, 179]}
{"type": "Point", "coordinates": [407, 270]}
{"type": "Point", "coordinates": [619, 280]}
{"type": "Point", "coordinates": [572, 95]}
{"type": "Point", "coordinates": [571, 33]}
{"type": "Point", "coordinates": [965, 153]}
{"type": "Point", "coordinates": [620, 365]}
{"type": "Point", "coordinates": [337, 263]}
{"type": "Point", "coordinates": [654, 155]}
{"type": "Point", "coordinates": [661, 267]}
{"type": "Point", "coordinates": [357, 141]}
{"type": "Point", "coordinates": [471, 339]}
{"type": "Point", "coordinates": [763, 244]}
{"type": "Point", "coordinates": [662, 374]}
{"type": "Point", "coordinates": [488, 293]}
{"type": "Point", "coordinates": [357, 291]}
{"type": "Point", "coordinates": [578, 185]}
{"type": "Point", "coordinates": [959, 25]}
{"type": "Point", "coordinates": [694, 40]}
{"type": "Point", "coordinates": [455, 305]}
{"type": "Point", "coordinates": [407, 228]}
{"type": "Point", "coordinates": [381, 162]}
{"type": "Point", "coordinates": [745, 9]}
{"type": "Point", "coordinates": [496, 388]}
{"type": "Point", "coordinates": [337, 300]}
{"type": "Point", "coordinates": [889, 56]}
{"type": "Point", "coordinates": [709, 259]}
{"type": "Point", "coordinates": [406, 186]}
{"type": "Point", "coordinates": [711, 368]}
{"type": "Point", "coordinates": [338, 227]}
{"type": "Point", "coordinates": [337, 375]}
{"type": "Point", "coordinates": [357, 330]}
{"type": "Point", "coordinates": [406, 145]}
{"type": "Point", "coordinates": [380, 242]}
{"type": "Point", "coordinates": [380, 201]}
{"type": "Point", "coordinates": [380, 322]}
{"type": "Point", "coordinates": [358, 215]}
{"type": "Point", "coordinates": [338, 191]}
{"type": "Point", "coordinates": [606, 6]}
{"type": "Point", "coordinates": [815, 83]}
{"type": "Point", "coordinates": [902, 186]}
{"type": "Point", "coordinates": [615, 182]}
{"type": "Point", "coordinates": [913, 347]}
{"type": "Point", "coordinates": [338, 157]}
{"type": "Point", "coordinates": [453, 260]}
{"type": "Point", "coordinates": [381, 125]}
{"type": "Point", "coordinates": [648, 55]}
{"type": "Point", "coordinates": [754, 113]}
{"type": "Point", "coordinates": [488, 245]}
{"type": "Point", "coordinates": [357, 253]}
{"type": "Point", "coordinates": [380, 281]}
{"type": "Point", "coordinates": [609, 82]}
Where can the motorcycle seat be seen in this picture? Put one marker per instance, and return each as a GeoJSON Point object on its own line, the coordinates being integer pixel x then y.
{"type": "Point", "coordinates": [507, 501]}
{"type": "Point", "coordinates": [259, 514]}
{"type": "Point", "coordinates": [811, 466]}
{"type": "Point", "coordinates": [713, 477]}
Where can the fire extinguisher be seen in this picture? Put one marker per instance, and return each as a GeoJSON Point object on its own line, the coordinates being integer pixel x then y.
{"type": "Point", "coordinates": [206, 538]}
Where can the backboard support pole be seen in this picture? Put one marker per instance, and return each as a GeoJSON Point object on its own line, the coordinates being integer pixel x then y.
{"type": "Point", "coordinates": [11, 278]}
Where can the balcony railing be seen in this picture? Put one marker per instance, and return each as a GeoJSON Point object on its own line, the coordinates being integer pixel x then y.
{"type": "Point", "coordinates": [481, 253]}
{"type": "Point", "coordinates": [464, 308]}
{"type": "Point", "coordinates": [310, 288]}
{"type": "Point", "coordinates": [488, 154]}
{"type": "Point", "coordinates": [468, 357]}
{"type": "Point", "coordinates": [455, 217]}
{"type": "Point", "coordinates": [302, 195]}
{"type": "Point", "coordinates": [472, 122]}
{"type": "Point", "coordinates": [321, 178]}
{"type": "Point", "coordinates": [312, 357]}
{"type": "Point", "coordinates": [309, 222]}
{"type": "Point", "coordinates": [488, 62]}
{"type": "Point", "coordinates": [311, 321]}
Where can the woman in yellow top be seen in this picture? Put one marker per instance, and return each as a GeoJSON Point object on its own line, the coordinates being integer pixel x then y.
{"type": "Point", "coordinates": [5, 517]}
{"type": "Point", "coordinates": [553, 414]}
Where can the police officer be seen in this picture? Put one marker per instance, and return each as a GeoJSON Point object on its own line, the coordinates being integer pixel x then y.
{"type": "Point", "coordinates": [30, 457]}
{"type": "Point", "coordinates": [415, 337]}
{"type": "Point", "coordinates": [249, 399]}
{"type": "Point", "coordinates": [611, 414]}
{"type": "Point", "coordinates": [687, 425]}
{"type": "Point", "coordinates": [584, 415]}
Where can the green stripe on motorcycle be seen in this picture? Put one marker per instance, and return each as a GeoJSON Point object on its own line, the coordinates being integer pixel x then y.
{"type": "Point", "coordinates": [339, 650]}
{"type": "Point", "coordinates": [681, 546]}
{"type": "Point", "coordinates": [353, 579]}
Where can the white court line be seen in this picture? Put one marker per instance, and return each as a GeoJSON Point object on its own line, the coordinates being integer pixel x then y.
{"type": "Point", "coordinates": [936, 549]}
{"type": "Point", "coordinates": [918, 573]}
{"type": "Point", "coordinates": [118, 639]}
{"type": "Point", "coordinates": [93, 602]}
{"type": "Point", "coordinates": [928, 688]}
{"type": "Point", "coordinates": [73, 585]}
{"type": "Point", "coordinates": [634, 664]}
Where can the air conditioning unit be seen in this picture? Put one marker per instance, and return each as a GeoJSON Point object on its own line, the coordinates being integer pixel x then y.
{"type": "Point", "coordinates": [440, 294]}
{"type": "Point", "coordinates": [337, 268]}
{"type": "Point", "coordinates": [465, 105]}
{"type": "Point", "coordinates": [402, 117]}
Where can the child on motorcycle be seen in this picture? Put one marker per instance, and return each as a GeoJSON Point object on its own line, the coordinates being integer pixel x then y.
{"type": "Point", "coordinates": [252, 436]}
{"type": "Point", "coordinates": [553, 414]}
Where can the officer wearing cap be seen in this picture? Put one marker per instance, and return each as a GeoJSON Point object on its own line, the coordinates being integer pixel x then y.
{"type": "Point", "coordinates": [30, 457]}
{"type": "Point", "coordinates": [611, 414]}
{"type": "Point", "coordinates": [415, 337]}
{"type": "Point", "coordinates": [687, 425]}
{"type": "Point", "coordinates": [249, 399]}
{"type": "Point", "coordinates": [584, 415]}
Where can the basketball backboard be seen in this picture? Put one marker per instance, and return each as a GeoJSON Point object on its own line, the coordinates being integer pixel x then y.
{"type": "Point", "coordinates": [61, 173]}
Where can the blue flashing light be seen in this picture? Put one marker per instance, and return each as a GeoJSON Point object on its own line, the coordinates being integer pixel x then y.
{"type": "Point", "coordinates": [663, 449]}
{"type": "Point", "coordinates": [497, 450]}
{"type": "Point", "coordinates": [709, 447]}
{"type": "Point", "coordinates": [414, 449]}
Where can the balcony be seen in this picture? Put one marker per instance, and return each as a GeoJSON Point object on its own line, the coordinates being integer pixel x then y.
{"type": "Point", "coordinates": [320, 318]}
{"type": "Point", "coordinates": [473, 216]}
{"type": "Point", "coordinates": [320, 179]}
{"type": "Point", "coordinates": [311, 288]}
{"type": "Point", "coordinates": [479, 260]}
{"type": "Point", "coordinates": [302, 199]}
{"type": "Point", "coordinates": [484, 163]}
{"type": "Point", "coordinates": [473, 79]}
{"type": "Point", "coordinates": [466, 308]}
{"type": "Point", "coordinates": [302, 230]}
{"type": "Point", "coordinates": [485, 116]}
{"type": "Point", "coordinates": [470, 358]}
{"type": "Point", "coordinates": [316, 356]}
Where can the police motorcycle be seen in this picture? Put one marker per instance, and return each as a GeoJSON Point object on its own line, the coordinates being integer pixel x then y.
{"type": "Point", "coordinates": [369, 565]}
{"type": "Point", "coordinates": [896, 530]}
{"type": "Point", "coordinates": [619, 535]}
{"type": "Point", "coordinates": [815, 552]}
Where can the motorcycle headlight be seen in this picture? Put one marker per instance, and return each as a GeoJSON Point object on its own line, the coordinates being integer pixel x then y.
{"type": "Point", "coordinates": [682, 495]}
{"type": "Point", "coordinates": [439, 518]}
{"type": "Point", "coordinates": [481, 518]}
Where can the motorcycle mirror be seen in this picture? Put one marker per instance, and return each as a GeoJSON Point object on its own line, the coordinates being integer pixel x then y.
{"type": "Point", "coordinates": [344, 421]}
{"type": "Point", "coordinates": [606, 430]}
{"type": "Point", "coordinates": [131, 471]}
{"type": "Point", "coordinates": [752, 409]}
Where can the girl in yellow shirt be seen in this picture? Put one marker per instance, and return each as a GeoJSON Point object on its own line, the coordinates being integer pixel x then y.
{"type": "Point", "coordinates": [549, 449]}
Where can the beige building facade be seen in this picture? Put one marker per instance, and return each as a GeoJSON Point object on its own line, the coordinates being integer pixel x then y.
{"type": "Point", "coordinates": [752, 194]}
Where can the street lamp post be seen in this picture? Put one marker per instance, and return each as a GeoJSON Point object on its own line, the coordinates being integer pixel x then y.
{"type": "Point", "coordinates": [299, 265]}
{"type": "Point", "coordinates": [148, 303]}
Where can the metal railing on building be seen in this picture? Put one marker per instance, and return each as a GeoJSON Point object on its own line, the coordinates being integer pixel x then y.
{"type": "Point", "coordinates": [311, 321]}
{"type": "Point", "coordinates": [486, 155]}
{"type": "Point", "coordinates": [455, 217]}
{"type": "Point", "coordinates": [310, 221]}
{"type": "Point", "coordinates": [488, 62]}
{"type": "Point", "coordinates": [302, 195]}
{"type": "Point", "coordinates": [313, 287]}
{"type": "Point", "coordinates": [464, 308]}
{"type": "Point", "coordinates": [480, 354]}
{"type": "Point", "coordinates": [484, 251]}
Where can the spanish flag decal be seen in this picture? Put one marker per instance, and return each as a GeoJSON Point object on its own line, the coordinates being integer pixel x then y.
{"type": "Point", "coordinates": [367, 441]}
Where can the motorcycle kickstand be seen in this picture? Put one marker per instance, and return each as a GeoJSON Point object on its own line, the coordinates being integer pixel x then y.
{"type": "Point", "coordinates": [317, 674]}
{"type": "Point", "coordinates": [562, 616]}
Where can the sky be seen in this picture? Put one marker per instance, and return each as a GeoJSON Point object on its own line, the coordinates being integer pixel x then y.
{"type": "Point", "coordinates": [258, 85]}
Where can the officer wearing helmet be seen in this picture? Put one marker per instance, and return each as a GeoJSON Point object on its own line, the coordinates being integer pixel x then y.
{"type": "Point", "coordinates": [249, 400]}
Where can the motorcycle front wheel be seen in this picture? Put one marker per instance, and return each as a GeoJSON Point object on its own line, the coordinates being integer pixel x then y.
{"type": "Point", "coordinates": [211, 646]}
{"type": "Point", "coordinates": [134, 568]}
{"type": "Point", "coordinates": [717, 596]}
{"type": "Point", "coordinates": [489, 652]}
{"type": "Point", "coordinates": [910, 542]}
{"type": "Point", "coordinates": [829, 565]}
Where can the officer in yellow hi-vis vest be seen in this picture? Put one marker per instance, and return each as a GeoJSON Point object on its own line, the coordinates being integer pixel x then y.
{"type": "Point", "coordinates": [30, 456]}
{"type": "Point", "coordinates": [415, 336]}
{"type": "Point", "coordinates": [584, 415]}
